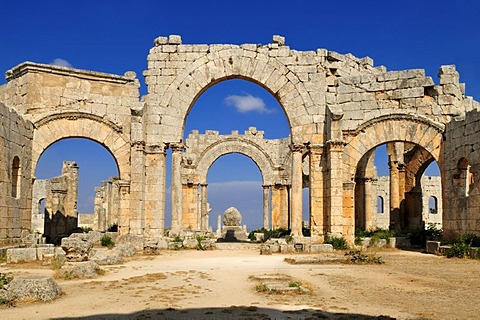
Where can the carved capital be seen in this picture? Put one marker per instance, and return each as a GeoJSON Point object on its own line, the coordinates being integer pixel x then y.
{"type": "Point", "coordinates": [138, 145]}
{"type": "Point", "coordinates": [316, 148]}
{"type": "Point", "coordinates": [155, 149]}
{"type": "Point", "coordinates": [297, 147]}
{"type": "Point", "coordinates": [177, 146]}
{"type": "Point", "coordinates": [335, 145]}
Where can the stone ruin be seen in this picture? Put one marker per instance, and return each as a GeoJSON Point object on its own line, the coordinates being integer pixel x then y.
{"type": "Point", "coordinates": [232, 229]}
{"type": "Point", "coordinates": [339, 108]}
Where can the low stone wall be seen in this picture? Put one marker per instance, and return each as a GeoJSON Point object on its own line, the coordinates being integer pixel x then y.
{"type": "Point", "coordinates": [42, 253]}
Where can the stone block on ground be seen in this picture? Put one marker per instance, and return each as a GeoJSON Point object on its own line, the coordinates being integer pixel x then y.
{"type": "Point", "coordinates": [105, 256]}
{"type": "Point", "coordinates": [432, 247]}
{"type": "Point", "coordinates": [94, 236]}
{"type": "Point", "coordinates": [33, 289]}
{"type": "Point", "coordinates": [316, 248]}
{"type": "Point", "coordinates": [127, 250]}
{"type": "Point", "coordinates": [43, 251]}
{"type": "Point", "coordinates": [136, 241]}
{"type": "Point", "coordinates": [79, 270]}
{"type": "Point", "coordinates": [76, 250]}
{"type": "Point", "coordinates": [21, 255]}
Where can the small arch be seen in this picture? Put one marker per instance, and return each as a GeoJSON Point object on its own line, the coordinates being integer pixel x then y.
{"type": "Point", "coordinates": [380, 205]}
{"type": "Point", "coordinates": [432, 205]}
{"type": "Point", "coordinates": [228, 146]}
{"type": "Point", "coordinates": [16, 177]}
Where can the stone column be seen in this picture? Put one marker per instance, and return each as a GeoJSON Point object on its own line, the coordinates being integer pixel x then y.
{"type": "Point", "coordinates": [317, 203]}
{"type": "Point", "coordinates": [296, 218]}
{"type": "Point", "coordinates": [335, 187]}
{"type": "Point", "coordinates": [177, 204]}
{"type": "Point", "coordinates": [367, 185]}
{"type": "Point", "coordinates": [204, 203]}
{"type": "Point", "coordinates": [394, 196]}
{"type": "Point", "coordinates": [153, 219]}
{"type": "Point", "coordinates": [266, 213]}
{"type": "Point", "coordinates": [124, 207]}
{"type": "Point", "coordinates": [276, 206]}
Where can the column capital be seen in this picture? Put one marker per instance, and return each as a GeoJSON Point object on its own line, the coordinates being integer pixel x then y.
{"type": "Point", "coordinates": [315, 147]}
{"type": "Point", "coordinates": [297, 147]}
{"type": "Point", "coordinates": [155, 149]}
{"type": "Point", "coordinates": [265, 186]}
{"type": "Point", "coordinates": [176, 146]}
{"type": "Point", "coordinates": [335, 145]}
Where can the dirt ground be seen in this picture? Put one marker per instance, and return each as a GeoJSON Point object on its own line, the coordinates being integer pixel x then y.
{"type": "Point", "coordinates": [220, 284]}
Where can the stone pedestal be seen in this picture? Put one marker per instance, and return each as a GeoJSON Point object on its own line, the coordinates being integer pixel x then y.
{"type": "Point", "coordinates": [233, 233]}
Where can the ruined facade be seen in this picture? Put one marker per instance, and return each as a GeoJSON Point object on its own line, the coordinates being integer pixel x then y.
{"type": "Point", "coordinates": [58, 215]}
{"type": "Point", "coordinates": [339, 108]}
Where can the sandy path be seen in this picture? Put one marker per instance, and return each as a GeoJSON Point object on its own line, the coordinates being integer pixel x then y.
{"type": "Point", "coordinates": [208, 284]}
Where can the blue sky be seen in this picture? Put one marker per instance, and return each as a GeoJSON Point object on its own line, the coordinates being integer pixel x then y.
{"type": "Point", "coordinates": [115, 36]}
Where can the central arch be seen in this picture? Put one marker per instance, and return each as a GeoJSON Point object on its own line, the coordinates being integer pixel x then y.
{"type": "Point", "coordinates": [244, 147]}
{"type": "Point", "coordinates": [236, 63]}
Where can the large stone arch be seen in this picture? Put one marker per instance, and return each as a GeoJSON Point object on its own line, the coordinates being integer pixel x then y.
{"type": "Point", "coordinates": [237, 63]}
{"type": "Point", "coordinates": [228, 146]}
{"type": "Point", "coordinates": [395, 127]}
{"type": "Point", "coordinates": [56, 127]}
{"type": "Point", "coordinates": [390, 128]}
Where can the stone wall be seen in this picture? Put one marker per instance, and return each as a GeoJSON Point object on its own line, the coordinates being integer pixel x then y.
{"type": "Point", "coordinates": [15, 174]}
{"type": "Point", "coordinates": [339, 108]}
{"type": "Point", "coordinates": [430, 187]}
{"type": "Point", "coordinates": [461, 197]}
{"type": "Point", "coordinates": [106, 205]}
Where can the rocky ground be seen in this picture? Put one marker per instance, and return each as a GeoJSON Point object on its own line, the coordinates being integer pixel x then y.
{"type": "Point", "coordinates": [241, 284]}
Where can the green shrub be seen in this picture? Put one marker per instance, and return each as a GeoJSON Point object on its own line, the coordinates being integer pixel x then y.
{"type": "Point", "coordinates": [470, 239]}
{"type": "Point", "coordinates": [106, 241]}
{"type": "Point", "coordinates": [338, 243]}
{"type": "Point", "coordinates": [279, 233]}
{"type": "Point", "coordinates": [251, 234]}
{"type": "Point", "coordinates": [86, 229]}
{"type": "Point", "coordinates": [199, 243]}
{"type": "Point", "coordinates": [458, 250]}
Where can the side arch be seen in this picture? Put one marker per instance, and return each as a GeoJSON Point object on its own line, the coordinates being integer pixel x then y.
{"type": "Point", "coordinates": [48, 132]}
{"type": "Point", "coordinates": [247, 148]}
{"type": "Point", "coordinates": [399, 127]}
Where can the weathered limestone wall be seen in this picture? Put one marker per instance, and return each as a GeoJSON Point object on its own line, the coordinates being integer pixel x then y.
{"type": "Point", "coordinates": [461, 197]}
{"type": "Point", "coordinates": [430, 187]}
{"type": "Point", "coordinates": [15, 174]}
{"type": "Point", "coordinates": [339, 109]}
{"type": "Point", "coordinates": [106, 205]}
{"type": "Point", "coordinates": [65, 102]}
{"type": "Point", "coordinates": [61, 195]}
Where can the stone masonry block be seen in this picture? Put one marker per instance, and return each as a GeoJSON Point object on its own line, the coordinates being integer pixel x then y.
{"type": "Point", "coordinates": [174, 39]}
{"type": "Point", "coordinates": [21, 255]}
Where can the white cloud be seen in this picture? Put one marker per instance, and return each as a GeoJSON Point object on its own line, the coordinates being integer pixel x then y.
{"type": "Point", "coordinates": [247, 103]}
{"type": "Point", "coordinates": [61, 63]}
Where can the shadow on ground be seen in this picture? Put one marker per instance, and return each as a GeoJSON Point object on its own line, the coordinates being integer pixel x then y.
{"type": "Point", "coordinates": [234, 312]}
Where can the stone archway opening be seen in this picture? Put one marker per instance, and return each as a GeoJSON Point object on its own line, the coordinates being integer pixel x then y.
{"type": "Point", "coordinates": [394, 183]}
{"type": "Point", "coordinates": [75, 179]}
{"type": "Point", "coordinates": [234, 180]}
{"type": "Point", "coordinates": [241, 117]}
{"type": "Point", "coordinates": [237, 104]}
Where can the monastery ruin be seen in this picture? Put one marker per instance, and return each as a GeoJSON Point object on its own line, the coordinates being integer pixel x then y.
{"type": "Point", "coordinates": [339, 109]}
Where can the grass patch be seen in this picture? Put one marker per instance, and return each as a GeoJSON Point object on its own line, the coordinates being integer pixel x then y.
{"type": "Point", "coordinates": [360, 257]}
{"type": "Point", "coordinates": [106, 241]}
